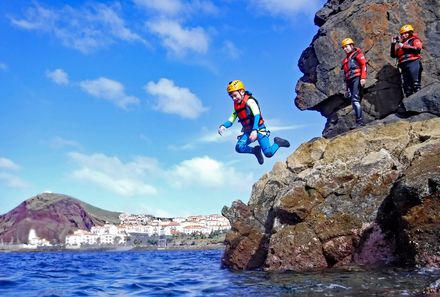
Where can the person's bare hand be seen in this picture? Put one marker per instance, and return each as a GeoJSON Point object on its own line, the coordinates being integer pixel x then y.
{"type": "Point", "coordinates": [253, 135]}
{"type": "Point", "coordinates": [221, 129]}
{"type": "Point", "coordinates": [363, 81]}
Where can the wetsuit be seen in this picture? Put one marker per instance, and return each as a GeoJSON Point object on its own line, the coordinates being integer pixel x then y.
{"type": "Point", "coordinates": [250, 117]}
{"type": "Point", "coordinates": [355, 69]}
{"type": "Point", "coordinates": [409, 62]}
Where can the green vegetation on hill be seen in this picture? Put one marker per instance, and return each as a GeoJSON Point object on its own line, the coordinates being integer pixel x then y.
{"type": "Point", "coordinates": [104, 215]}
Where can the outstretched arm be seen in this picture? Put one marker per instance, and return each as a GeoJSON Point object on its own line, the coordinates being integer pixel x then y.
{"type": "Point", "coordinates": [228, 123]}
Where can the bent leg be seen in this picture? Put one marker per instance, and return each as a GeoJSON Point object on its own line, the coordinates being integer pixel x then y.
{"type": "Point", "coordinates": [242, 145]}
{"type": "Point", "coordinates": [268, 150]}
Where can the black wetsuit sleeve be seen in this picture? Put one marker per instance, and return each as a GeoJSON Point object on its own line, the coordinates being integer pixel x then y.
{"type": "Point", "coordinates": [393, 51]}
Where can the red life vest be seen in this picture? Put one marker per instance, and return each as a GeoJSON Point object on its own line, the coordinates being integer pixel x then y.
{"type": "Point", "coordinates": [403, 55]}
{"type": "Point", "coordinates": [354, 65]}
{"type": "Point", "coordinates": [244, 113]}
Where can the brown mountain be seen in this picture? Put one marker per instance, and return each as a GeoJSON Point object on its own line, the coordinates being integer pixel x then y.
{"type": "Point", "coordinates": [52, 216]}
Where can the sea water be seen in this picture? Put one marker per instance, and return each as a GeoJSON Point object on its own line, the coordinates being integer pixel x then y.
{"type": "Point", "coordinates": [187, 273]}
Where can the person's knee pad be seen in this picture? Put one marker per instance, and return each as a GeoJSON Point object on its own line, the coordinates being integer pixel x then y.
{"type": "Point", "coordinates": [268, 153]}
{"type": "Point", "coordinates": [355, 98]}
{"type": "Point", "coordinates": [239, 148]}
{"type": "Point", "coordinates": [417, 86]}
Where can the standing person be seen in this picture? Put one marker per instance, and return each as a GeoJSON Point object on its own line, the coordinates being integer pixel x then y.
{"type": "Point", "coordinates": [406, 49]}
{"type": "Point", "coordinates": [355, 73]}
{"type": "Point", "coordinates": [247, 110]}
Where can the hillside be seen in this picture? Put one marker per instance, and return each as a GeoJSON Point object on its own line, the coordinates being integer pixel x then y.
{"type": "Point", "coordinates": [52, 216]}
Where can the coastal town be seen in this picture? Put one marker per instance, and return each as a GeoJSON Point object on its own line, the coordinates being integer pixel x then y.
{"type": "Point", "coordinates": [138, 230]}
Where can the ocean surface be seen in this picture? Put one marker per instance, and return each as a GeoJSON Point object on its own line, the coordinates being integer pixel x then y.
{"type": "Point", "coordinates": [186, 273]}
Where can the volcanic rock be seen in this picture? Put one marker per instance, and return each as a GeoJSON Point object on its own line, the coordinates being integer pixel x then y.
{"type": "Point", "coordinates": [371, 24]}
{"type": "Point", "coordinates": [369, 196]}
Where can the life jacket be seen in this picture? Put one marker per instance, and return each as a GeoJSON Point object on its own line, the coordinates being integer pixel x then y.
{"type": "Point", "coordinates": [244, 113]}
{"type": "Point", "coordinates": [352, 67]}
{"type": "Point", "coordinates": [403, 55]}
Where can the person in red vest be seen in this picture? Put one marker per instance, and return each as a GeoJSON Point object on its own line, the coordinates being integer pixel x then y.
{"type": "Point", "coordinates": [355, 74]}
{"type": "Point", "coordinates": [406, 49]}
{"type": "Point", "coordinates": [247, 110]}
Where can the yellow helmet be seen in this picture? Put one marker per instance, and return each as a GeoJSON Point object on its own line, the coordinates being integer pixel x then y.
{"type": "Point", "coordinates": [406, 28]}
{"type": "Point", "coordinates": [346, 41]}
{"type": "Point", "coordinates": [235, 85]}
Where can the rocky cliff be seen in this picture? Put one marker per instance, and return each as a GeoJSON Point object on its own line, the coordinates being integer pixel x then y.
{"type": "Point", "coordinates": [368, 196]}
{"type": "Point", "coordinates": [52, 216]}
{"type": "Point", "coordinates": [371, 24]}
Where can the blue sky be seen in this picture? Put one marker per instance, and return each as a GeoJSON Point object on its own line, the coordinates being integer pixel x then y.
{"type": "Point", "coordinates": [117, 103]}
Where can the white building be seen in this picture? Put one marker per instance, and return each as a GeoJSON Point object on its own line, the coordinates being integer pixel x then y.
{"type": "Point", "coordinates": [195, 228]}
{"type": "Point", "coordinates": [34, 241]}
{"type": "Point", "coordinates": [100, 235]}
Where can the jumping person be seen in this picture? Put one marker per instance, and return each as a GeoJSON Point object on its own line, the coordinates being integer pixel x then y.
{"type": "Point", "coordinates": [355, 74]}
{"type": "Point", "coordinates": [406, 49]}
{"type": "Point", "coordinates": [247, 110]}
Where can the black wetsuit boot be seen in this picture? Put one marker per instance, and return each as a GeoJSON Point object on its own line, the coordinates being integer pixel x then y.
{"type": "Point", "coordinates": [258, 154]}
{"type": "Point", "coordinates": [281, 142]}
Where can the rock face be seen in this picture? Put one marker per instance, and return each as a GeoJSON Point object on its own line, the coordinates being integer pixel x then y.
{"type": "Point", "coordinates": [52, 216]}
{"type": "Point", "coordinates": [371, 24]}
{"type": "Point", "coordinates": [370, 196]}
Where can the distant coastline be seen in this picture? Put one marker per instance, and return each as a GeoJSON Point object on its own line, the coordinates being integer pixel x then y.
{"type": "Point", "coordinates": [111, 249]}
{"type": "Point", "coordinates": [171, 243]}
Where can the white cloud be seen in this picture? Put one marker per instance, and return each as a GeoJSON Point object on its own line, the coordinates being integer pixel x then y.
{"type": "Point", "coordinates": [173, 99]}
{"type": "Point", "coordinates": [207, 172]}
{"type": "Point", "coordinates": [110, 90]}
{"type": "Point", "coordinates": [179, 40]}
{"type": "Point", "coordinates": [110, 173]}
{"type": "Point", "coordinates": [12, 181]}
{"type": "Point", "coordinates": [230, 134]}
{"type": "Point", "coordinates": [8, 164]}
{"type": "Point", "coordinates": [59, 76]}
{"type": "Point", "coordinates": [177, 8]}
{"type": "Point", "coordinates": [200, 6]}
{"type": "Point", "coordinates": [157, 212]}
{"type": "Point", "coordinates": [59, 142]}
{"type": "Point", "coordinates": [231, 50]}
{"type": "Point", "coordinates": [287, 8]}
{"type": "Point", "coordinates": [86, 29]}
{"type": "Point", "coordinates": [167, 7]}
{"type": "Point", "coordinates": [8, 179]}
{"type": "Point", "coordinates": [275, 128]}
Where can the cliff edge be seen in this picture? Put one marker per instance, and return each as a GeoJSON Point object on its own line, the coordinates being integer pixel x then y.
{"type": "Point", "coordinates": [371, 24]}
{"type": "Point", "coordinates": [369, 196]}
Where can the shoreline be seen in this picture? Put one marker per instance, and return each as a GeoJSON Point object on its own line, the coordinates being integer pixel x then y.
{"type": "Point", "coordinates": [114, 249]}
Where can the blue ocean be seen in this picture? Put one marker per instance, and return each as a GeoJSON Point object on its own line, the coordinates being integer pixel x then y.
{"type": "Point", "coordinates": [186, 273]}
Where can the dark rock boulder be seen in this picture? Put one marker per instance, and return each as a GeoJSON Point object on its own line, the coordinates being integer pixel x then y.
{"type": "Point", "coordinates": [369, 196]}
{"type": "Point", "coordinates": [371, 24]}
{"type": "Point", "coordinates": [425, 101]}
{"type": "Point", "coordinates": [246, 243]}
